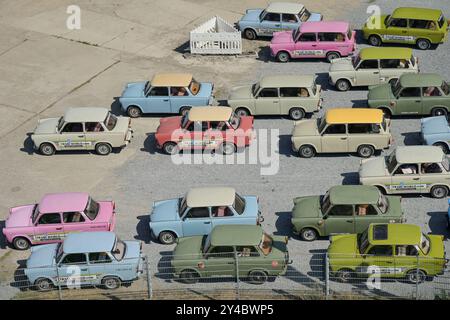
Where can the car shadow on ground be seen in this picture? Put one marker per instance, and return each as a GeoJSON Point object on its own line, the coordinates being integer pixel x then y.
{"type": "Point", "coordinates": [28, 145]}
{"type": "Point", "coordinates": [350, 178]}
{"type": "Point", "coordinates": [143, 229]}
{"type": "Point", "coordinates": [116, 108]}
{"type": "Point", "coordinates": [322, 80]}
{"type": "Point", "coordinates": [20, 279]}
{"type": "Point", "coordinates": [359, 37]}
{"type": "Point", "coordinates": [150, 144]}
{"type": "Point", "coordinates": [285, 145]}
{"type": "Point", "coordinates": [359, 103]}
{"type": "Point", "coordinates": [438, 223]}
{"type": "Point", "coordinates": [183, 48]}
{"type": "Point", "coordinates": [283, 224]}
{"type": "Point", "coordinates": [317, 262]}
{"type": "Point", "coordinates": [3, 242]}
{"type": "Point", "coordinates": [411, 138]}
{"type": "Point", "coordinates": [311, 282]}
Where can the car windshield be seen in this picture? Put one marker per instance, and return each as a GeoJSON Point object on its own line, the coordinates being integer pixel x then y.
{"type": "Point", "coordinates": [356, 60]}
{"type": "Point", "coordinates": [110, 121]}
{"type": "Point", "coordinates": [424, 244]}
{"type": "Point", "coordinates": [119, 249]}
{"type": "Point", "coordinates": [206, 243]}
{"type": "Point", "coordinates": [396, 88]}
{"type": "Point", "coordinates": [446, 163]}
{"type": "Point", "coordinates": [194, 87]}
{"type": "Point", "coordinates": [59, 252]}
{"type": "Point", "coordinates": [383, 203]}
{"type": "Point", "coordinates": [321, 123]}
{"type": "Point", "coordinates": [184, 120]}
{"type": "Point", "coordinates": [147, 88]}
{"type": "Point", "coordinates": [92, 209]}
{"type": "Point", "coordinates": [445, 88]}
{"type": "Point", "coordinates": [391, 162]}
{"type": "Point", "coordinates": [304, 15]}
{"type": "Point", "coordinates": [235, 120]}
{"type": "Point", "coordinates": [182, 205]}
{"type": "Point", "coordinates": [363, 242]}
{"type": "Point", "coordinates": [255, 89]}
{"type": "Point", "coordinates": [384, 124]}
{"type": "Point", "coordinates": [325, 202]}
{"type": "Point", "coordinates": [35, 213]}
{"type": "Point", "coordinates": [266, 244]}
{"type": "Point", "coordinates": [239, 204]}
{"type": "Point", "coordinates": [387, 20]}
{"type": "Point", "coordinates": [60, 123]}
{"type": "Point", "coordinates": [262, 14]}
{"type": "Point", "coordinates": [314, 88]}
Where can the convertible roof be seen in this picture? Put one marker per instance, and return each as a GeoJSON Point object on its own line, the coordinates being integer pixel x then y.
{"type": "Point", "coordinates": [85, 114]}
{"type": "Point", "coordinates": [285, 7]}
{"type": "Point", "coordinates": [171, 80]}
{"type": "Point", "coordinates": [236, 235]}
{"type": "Point", "coordinates": [418, 154]}
{"type": "Point", "coordinates": [212, 196]}
{"type": "Point", "coordinates": [385, 53]}
{"type": "Point", "coordinates": [210, 113]}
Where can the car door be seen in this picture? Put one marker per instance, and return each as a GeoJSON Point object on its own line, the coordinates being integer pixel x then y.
{"type": "Point", "coordinates": [100, 264]}
{"type": "Point", "coordinates": [223, 215]}
{"type": "Point", "coordinates": [72, 137]}
{"type": "Point", "coordinates": [250, 258]}
{"type": "Point", "coordinates": [334, 138]}
{"type": "Point", "coordinates": [430, 174]}
{"type": "Point", "coordinates": [365, 214]}
{"type": "Point", "coordinates": [179, 97]}
{"type": "Point", "coordinates": [195, 135]}
{"type": "Point", "coordinates": [406, 179]}
{"type": "Point", "coordinates": [214, 136]}
{"type": "Point", "coordinates": [270, 23]}
{"type": "Point", "coordinates": [48, 228]}
{"type": "Point", "coordinates": [267, 102]}
{"type": "Point", "coordinates": [330, 41]}
{"type": "Point", "coordinates": [392, 69]}
{"type": "Point", "coordinates": [397, 31]}
{"type": "Point", "coordinates": [76, 222]}
{"type": "Point", "coordinates": [409, 101]}
{"type": "Point", "coordinates": [405, 259]}
{"type": "Point", "coordinates": [433, 97]}
{"type": "Point", "coordinates": [220, 261]}
{"type": "Point", "coordinates": [380, 257]}
{"type": "Point", "coordinates": [73, 270]}
{"type": "Point", "coordinates": [295, 97]}
{"type": "Point", "coordinates": [157, 101]}
{"type": "Point", "coordinates": [367, 73]}
{"type": "Point", "coordinates": [289, 21]}
{"type": "Point", "coordinates": [306, 46]}
{"type": "Point", "coordinates": [196, 222]}
{"type": "Point", "coordinates": [339, 219]}
{"type": "Point", "coordinates": [94, 131]}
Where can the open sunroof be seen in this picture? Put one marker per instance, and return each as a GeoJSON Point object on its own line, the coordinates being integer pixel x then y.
{"type": "Point", "coordinates": [380, 232]}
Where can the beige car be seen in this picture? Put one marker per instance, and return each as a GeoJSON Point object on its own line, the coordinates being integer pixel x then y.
{"type": "Point", "coordinates": [82, 129]}
{"type": "Point", "coordinates": [409, 169]}
{"type": "Point", "coordinates": [342, 130]}
{"type": "Point", "coordinates": [277, 95]}
{"type": "Point", "coordinates": [372, 66]}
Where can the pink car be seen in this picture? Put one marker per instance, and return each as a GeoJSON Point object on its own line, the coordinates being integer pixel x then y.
{"type": "Point", "coordinates": [321, 39]}
{"type": "Point", "coordinates": [56, 216]}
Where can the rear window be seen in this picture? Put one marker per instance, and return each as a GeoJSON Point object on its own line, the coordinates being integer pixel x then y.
{"type": "Point", "coordinates": [110, 121]}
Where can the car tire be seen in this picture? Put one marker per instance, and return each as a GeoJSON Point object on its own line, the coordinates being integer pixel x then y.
{"type": "Point", "coordinates": [103, 149]}
{"type": "Point", "coordinates": [423, 44]}
{"type": "Point", "coordinates": [257, 276]}
{"type": "Point", "coordinates": [21, 243]}
{"type": "Point", "coordinates": [47, 149]}
{"type": "Point", "coordinates": [439, 192]}
{"type": "Point", "coordinates": [346, 275]}
{"type": "Point", "coordinates": [111, 283]}
{"type": "Point", "coordinates": [442, 145]}
{"type": "Point", "coordinates": [333, 55]}
{"type": "Point", "coordinates": [416, 276]}
{"type": "Point", "coordinates": [308, 234]}
{"type": "Point", "coordinates": [435, 112]}
{"type": "Point", "coordinates": [170, 148]}
{"type": "Point", "coordinates": [283, 56]}
{"type": "Point", "coordinates": [227, 148]}
{"type": "Point", "coordinates": [375, 40]}
{"type": "Point", "coordinates": [43, 284]}
{"type": "Point", "coordinates": [365, 151]}
{"type": "Point", "coordinates": [134, 112]}
{"type": "Point", "coordinates": [242, 112]}
{"type": "Point", "coordinates": [296, 114]}
{"type": "Point", "coordinates": [189, 276]}
{"type": "Point", "coordinates": [250, 34]}
{"type": "Point", "coordinates": [184, 110]}
{"type": "Point", "coordinates": [343, 85]}
{"type": "Point", "coordinates": [306, 151]}
{"type": "Point", "coordinates": [167, 237]}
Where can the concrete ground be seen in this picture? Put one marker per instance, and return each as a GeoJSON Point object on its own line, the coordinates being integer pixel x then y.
{"type": "Point", "coordinates": [47, 68]}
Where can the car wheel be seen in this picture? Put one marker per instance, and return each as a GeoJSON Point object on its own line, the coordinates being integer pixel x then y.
{"type": "Point", "coordinates": [306, 151]}
{"type": "Point", "coordinates": [249, 34]}
{"type": "Point", "coordinates": [308, 234]}
{"type": "Point", "coordinates": [366, 151]}
{"type": "Point", "coordinates": [167, 237]}
{"type": "Point", "coordinates": [21, 243]}
{"type": "Point", "coordinates": [439, 192]}
{"type": "Point", "coordinates": [283, 56]}
{"type": "Point", "coordinates": [43, 284]}
{"type": "Point", "coordinates": [375, 40]}
{"type": "Point", "coordinates": [257, 276]}
{"type": "Point", "coordinates": [345, 275]}
{"type": "Point", "coordinates": [111, 283]}
{"type": "Point", "coordinates": [184, 110]}
{"type": "Point", "coordinates": [170, 148]}
{"type": "Point", "coordinates": [242, 112]}
{"type": "Point", "coordinates": [103, 149]}
{"type": "Point", "coordinates": [47, 149]}
{"type": "Point", "coordinates": [423, 44]}
{"type": "Point", "coordinates": [134, 112]}
{"type": "Point", "coordinates": [332, 55]}
{"type": "Point", "coordinates": [343, 85]}
{"type": "Point", "coordinates": [386, 112]}
{"type": "Point", "coordinates": [227, 148]}
{"type": "Point", "coordinates": [439, 112]}
{"type": "Point", "coordinates": [416, 276]}
{"type": "Point", "coordinates": [189, 276]}
{"type": "Point", "coordinates": [297, 114]}
{"type": "Point", "coordinates": [442, 145]}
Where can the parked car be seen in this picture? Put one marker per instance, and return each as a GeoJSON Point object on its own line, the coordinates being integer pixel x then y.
{"type": "Point", "coordinates": [82, 129]}
{"type": "Point", "coordinates": [409, 169]}
{"type": "Point", "coordinates": [100, 257]}
{"type": "Point", "coordinates": [165, 93]}
{"type": "Point", "coordinates": [260, 256]}
{"type": "Point", "coordinates": [276, 17]}
{"type": "Point", "coordinates": [277, 95]}
{"type": "Point", "coordinates": [214, 128]}
{"type": "Point", "coordinates": [372, 66]}
{"type": "Point", "coordinates": [56, 216]}
{"type": "Point", "coordinates": [420, 26]}
{"type": "Point", "coordinates": [324, 39]}
{"type": "Point", "coordinates": [342, 130]}
{"type": "Point", "coordinates": [421, 93]}
{"type": "Point", "coordinates": [343, 209]}
{"type": "Point", "coordinates": [199, 211]}
{"type": "Point", "coordinates": [436, 132]}
{"type": "Point", "coordinates": [388, 251]}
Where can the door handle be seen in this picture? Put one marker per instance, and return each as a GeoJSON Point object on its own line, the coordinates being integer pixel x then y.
{"type": "Point", "coordinates": [418, 101]}
{"type": "Point", "coordinates": [277, 25]}
{"type": "Point", "coordinates": [207, 222]}
{"type": "Point", "coordinates": [376, 72]}
{"type": "Point", "coordinates": [349, 221]}
{"type": "Point", "coordinates": [165, 100]}
{"type": "Point", "coordinates": [344, 138]}
{"type": "Point", "coordinates": [314, 45]}
{"type": "Point", "coordinates": [416, 178]}
{"type": "Point", "coordinates": [85, 269]}
{"type": "Point", "coordinates": [275, 102]}
{"type": "Point", "coordinates": [59, 228]}
{"type": "Point", "coordinates": [82, 136]}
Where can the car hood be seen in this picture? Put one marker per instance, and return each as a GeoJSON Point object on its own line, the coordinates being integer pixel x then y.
{"type": "Point", "coordinates": [306, 207]}
{"type": "Point", "coordinates": [395, 206]}
{"type": "Point", "coordinates": [315, 16]}
{"type": "Point", "coordinates": [342, 64]}
{"type": "Point", "coordinates": [374, 167]}
{"type": "Point", "coordinates": [433, 125]}
{"type": "Point", "coordinates": [380, 92]}
{"type": "Point", "coordinates": [282, 37]}
{"type": "Point", "coordinates": [168, 125]}
{"type": "Point", "coordinates": [345, 244]}
{"type": "Point", "coordinates": [105, 212]}
{"type": "Point", "coordinates": [305, 128]}
{"type": "Point", "coordinates": [42, 256]}
{"type": "Point", "coordinates": [19, 216]}
{"type": "Point", "coordinates": [166, 210]}
{"type": "Point", "coordinates": [47, 126]}
{"type": "Point", "coordinates": [188, 248]}
{"type": "Point", "coordinates": [251, 206]}
{"type": "Point", "coordinates": [242, 92]}
{"type": "Point", "coordinates": [437, 249]}
{"type": "Point", "coordinates": [134, 90]}
{"type": "Point", "coordinates": [252, 15]}
{"type": "Point", "coordinates": [133, 249]}
{"type": "Point", "coordinates": [206, 89]}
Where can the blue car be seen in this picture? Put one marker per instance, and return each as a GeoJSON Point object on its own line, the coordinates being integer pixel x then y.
{"type": "Point", "coordinates": [278, 16]}
{"type": "Point", "coordinates": [85, 258]}
{"type": "Point", "coordinates": [200, 211]}
{"type": "Point", "coordinates": [165, 93]}
{"type": "Point", "coordinates": [436, 132]}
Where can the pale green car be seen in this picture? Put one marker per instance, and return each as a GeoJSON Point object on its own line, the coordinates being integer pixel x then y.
{"type": "Point", "coordinates": [277, 95]}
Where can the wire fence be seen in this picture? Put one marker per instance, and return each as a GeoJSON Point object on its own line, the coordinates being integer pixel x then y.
{"type": "Point", "coordinates": [234, 276]}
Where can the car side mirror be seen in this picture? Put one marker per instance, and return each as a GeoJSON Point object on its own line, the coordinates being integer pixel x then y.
{"type": "Point", "coordinates": [117, 251]}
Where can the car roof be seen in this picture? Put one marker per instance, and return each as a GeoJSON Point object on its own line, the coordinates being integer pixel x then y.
{"type": "Point", "coordinates": [324, 26]}
{"type": "Point", "coordinates": [353, 115]}
{"type": "Point", "coordinates": [288, 81]}
{"type": "Point", "coordinates": [421, 80]}
{"type": "Point", "coordinates": [419, 154]}
{"type": "Point", "coordinates": [85, 114]}
{"type": "Point", "coordinates": [210, 114]}
{"type": "Point", "coordinates": [285, 7]}
{"type": "Point", "coordinates": [397, 234]}
{"type": "Point", "coordinates": [86, 242]}
{"type": "Point", "coordinates": [417, 13]}
{"type": "Point", "coordinates": [171, 80]}
{"type": "Point", "coordinates": [63, 202]}
{"type": "Point", "coordinates": [433, 125]}
{"type": "Point", "coordinates": [236, 235]}
{"type": "Point", "coordinates": [385, 53]}
{"type": "Point", "coordinates": [210, 196]}
{"type": "Point", "coordinates": [356, 194]}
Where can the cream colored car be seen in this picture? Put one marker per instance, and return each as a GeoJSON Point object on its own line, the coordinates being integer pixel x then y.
{"type": "Point", "coordinates": [342, 131]}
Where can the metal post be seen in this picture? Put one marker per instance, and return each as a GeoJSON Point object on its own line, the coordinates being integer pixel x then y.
{"type": "Point", "coordinates": [237, 274]}
{"type": "Point", "coordinates": [58, 281]}
{"type": "Point", "coordinates": [327, 276]}
{"type": "Point", "coordinates": [149, 280]}
{"type": "Point", "coordinates": [417, 278]}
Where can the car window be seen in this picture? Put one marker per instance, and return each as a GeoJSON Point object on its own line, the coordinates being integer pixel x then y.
{"type": "Point", "coordinates": [271, 16]}
{"type": "Point", "coordinates": [93, 127]}
{"type": "Point", "coordinates": [406, 250]}
{"type": "Point", "coordinates": [409, 92]}
{"type": "Point", "coordinates": [119, 249]}
{"type": "Point", "coordinates": [445, 88]}
{"type": "Point", "coordinates": [99, 257]}
{"type": "Point", "coordinates": [341, 210]}
{"type": "Point", "coordinates": [198, 126]}
{"type": "Point", "coordinates": [72, 217]}
{"type": "Point", "coordinates": [366, 210]}
{"type": "Point", "coordinates": [200, 212]}
{"type": "Point", "coordinates": [194, 86]}
{"type": "Point", "coordinates": [268, 93]}
{"type": "Point", "coordinates": [382, 250]}
{"type": "Point", "coordinates": [73, 127]}
{"type": "Point", "coordinates": [364, 128]}
{"type": "Point", "coordinates": [335, 129]}
{"type": "Point", "coordinates": [398, 23]}
{"type": "Point", "coordinates": [239, 204]}
{"type": "Point", "coordinates": [368, 64]}
{"type": "Point", "coordinates": [178, 92]}
{"type": "Point", "coordinates": [221, 252]}
{"type": "Point", "coordinates": [394, 63]}
{"type": "Point", "coordinates": [418, 24]}
{"type": "Point", "coordinates": [222, 211]}
{"type": "Point", "coordinates": [247, 251]}
{"type": "Point", "coordinates": [159, 92]}
{"type": "Point", "coordinates": [50, 218]}
{"type": "Point", "coordinates": [290, 18]}
{"type": "Point", "coordinates": [307, 37]}
{"type": "Point", "coordinates": [331, 37]}
{"type": "Point", "coordinates": [427, 168]}
{"type": "Point", "coordinates": [219, 125]}
{"type": "Point", "coordinates": [110, 121]}
{"type": "Point", "coordinates": [407, 168]}
{"type": "Point", "coordinates": [431, 92]}
{"type": "Point", "coordinates": [74, 258]}
{"type": "Point", "coordinates": [294, 92]}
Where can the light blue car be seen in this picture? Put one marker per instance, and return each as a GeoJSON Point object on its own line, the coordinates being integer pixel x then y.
{"type": "Point", "coordinates": [85, 258]}
{"type": "Point", "coordinates": [436, 132]}
{"type": "Point", "coordinates": [278, 16]}
{"type": "Point", "coordinates": [200, 211]}
{"type": "Point", "coordinates": [165, 93]}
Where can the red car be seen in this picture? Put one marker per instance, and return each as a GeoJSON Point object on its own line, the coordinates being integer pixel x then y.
{"type": "Point", "coordinates": [216, 128]}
